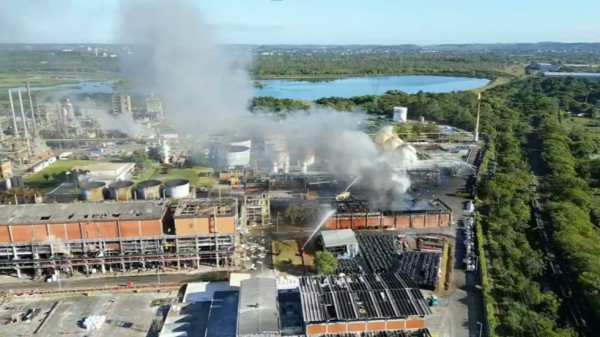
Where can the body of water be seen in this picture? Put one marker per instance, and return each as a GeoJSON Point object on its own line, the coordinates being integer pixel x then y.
{"type": "Point", "coordinates": [358, 86]}
{"type": "Point", "coordinates": [344, 87]}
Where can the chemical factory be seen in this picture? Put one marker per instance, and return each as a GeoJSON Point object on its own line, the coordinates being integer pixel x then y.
{"type": "Point", "coordinates": [116, 223]}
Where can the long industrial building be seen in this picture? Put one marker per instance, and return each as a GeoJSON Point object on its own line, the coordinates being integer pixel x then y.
{"type": "Point", "coordinates": [361, 303]}
{"type": "Point", "coordinates": [357, 214]}
{"type": "Point", "coordinates": [117, 235]}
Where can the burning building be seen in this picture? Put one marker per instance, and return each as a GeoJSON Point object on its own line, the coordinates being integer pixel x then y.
{"type": "Point", "coordinates": [405, 212]}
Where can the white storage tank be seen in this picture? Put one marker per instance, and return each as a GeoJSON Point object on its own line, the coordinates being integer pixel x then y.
{"type": "Point", "coordinates": [245, 142]}
{"type": "Point", "coordinates": [148, 189]}
{"type": "Point", "coordinates": [177, 188]}
{"type": "Point", "coordinates": [400, 114]}
{"type": "Point", "coordinates": [237, 155]}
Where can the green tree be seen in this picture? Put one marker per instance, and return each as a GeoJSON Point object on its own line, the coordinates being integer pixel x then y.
{"type": "Point", "coordinates": [46, 176]}
{"type": "Point", "coordinates": [140, 158]}
{"type": "Point", "coordinates": [325, 263]}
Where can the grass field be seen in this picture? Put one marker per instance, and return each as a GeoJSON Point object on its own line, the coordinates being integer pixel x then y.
{"type": "Point", "coordinates": [56, 172]}
{"type": "Point", "coordinates": [287, 252]}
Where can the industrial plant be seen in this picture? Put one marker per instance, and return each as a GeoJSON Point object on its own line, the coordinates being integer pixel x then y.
{"type": "Point", "coordinates": [116, 223]}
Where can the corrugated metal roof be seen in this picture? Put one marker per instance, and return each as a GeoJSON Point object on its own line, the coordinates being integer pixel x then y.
{"type": "Point", "coordinates": [360, 297]}
{"type": "Point", "coordinates": [257, 312]}
{"type": "Point", "coordinates": [340, 237]}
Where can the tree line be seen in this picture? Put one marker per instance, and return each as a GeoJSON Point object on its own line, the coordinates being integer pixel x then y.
{"type": "Point", "coordinates": [517, 267]}
{"type": "Point", "coordinates": [371, 64]}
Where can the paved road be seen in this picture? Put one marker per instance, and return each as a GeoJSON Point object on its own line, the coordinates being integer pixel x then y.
{"type": "Point", "coordinates": [96, 281]}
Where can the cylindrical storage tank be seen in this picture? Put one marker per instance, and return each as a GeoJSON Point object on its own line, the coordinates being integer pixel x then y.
{"type": "Point", "coordinates": [400, 114]}
{"type": "Point", "coordinates": [177, 188]}
{"type": "Point", "coordinates": [93, 191]}
{"type": "Point", "coordinates": [245, 142]}
{"type": "Point", "coordinates": [237, 156]}
{"type": "Point", "coordinates": [148, 189]}
{"type": "Point", "coordinates": [120, 190]}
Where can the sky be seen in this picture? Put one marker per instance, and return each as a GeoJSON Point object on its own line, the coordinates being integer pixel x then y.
{"type": "Point", "coordinates": [323, 21]}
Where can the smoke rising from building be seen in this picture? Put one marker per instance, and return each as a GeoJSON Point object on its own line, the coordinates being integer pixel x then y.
{"type": "Point", "coordinates": [205, 88]}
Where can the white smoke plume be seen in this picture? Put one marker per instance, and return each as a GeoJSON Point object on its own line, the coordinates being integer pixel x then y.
{"type": "Point", "coordinates": [205, 88]}
{"type": "Point", "coordinates": [174, 54]}
{"type": "Point", "coordinates": [122, 122]}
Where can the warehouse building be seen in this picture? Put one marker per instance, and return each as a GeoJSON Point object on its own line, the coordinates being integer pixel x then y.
{"type": "Point", "coordinates": [258, 314]}
{"type": "Point", "coordinates": [117, 235]}
{"type": "Point", "coordinates": [361, 303]}
{"type": "Point", "coordinates": [103, 172]}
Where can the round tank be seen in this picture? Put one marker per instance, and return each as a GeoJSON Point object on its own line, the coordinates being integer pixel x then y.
{"type": "Point", "coordinates": [177, 188]}
{"type": "Point", "coordinates": [148, 189]}
{"type": "Point", "coordinates": [237, 156]}
{"type": "Point", "coordinates": [93, 191]}
{"type": "Point", "coordinates": [120, 190]}
{"type": "Point", "coordinates": [245, 142]}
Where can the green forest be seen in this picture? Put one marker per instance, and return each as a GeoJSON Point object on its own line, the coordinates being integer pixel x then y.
{"type": "Point", "coordinates": [454, 63]}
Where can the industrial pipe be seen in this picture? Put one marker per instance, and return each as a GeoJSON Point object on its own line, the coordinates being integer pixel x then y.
{"type": "Point", "coordinates": [32, 109]}
{"type": "Point", "coordinates": [12, 108]}
{"type": "Point", "coordinates": [23, 115]}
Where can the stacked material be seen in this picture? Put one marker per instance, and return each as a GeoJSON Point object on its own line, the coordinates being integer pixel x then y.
{"type": "Point", "coordinates": [94, 322]}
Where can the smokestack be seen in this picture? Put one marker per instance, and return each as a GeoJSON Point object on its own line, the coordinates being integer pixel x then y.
{"type": "Point", "coordinates": [32, 109]}
{"type": "Point", "coordinates": [476, 134]}
{"type": "Point", "coordinates": [23, 116]}
{"type": "Point", "coordinates": [12, 108]}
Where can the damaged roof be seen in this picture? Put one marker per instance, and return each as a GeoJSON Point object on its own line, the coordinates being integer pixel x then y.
{"type": "Point", "coordinates": [81, 212]}
{"type": "Point", "coordinates": [360, 298]}
{"type": "Point", "coordinates": [205, 207]}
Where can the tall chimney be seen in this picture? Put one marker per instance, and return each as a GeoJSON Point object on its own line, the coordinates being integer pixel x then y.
{"type": "Point", "coordinates": [25, 134]}
{"type": "Point", "coordinates": [23, 116]}
{"type": "Point", "coordinates": [12, 108]}
{"type": "Point", "coordinates": [32, 109]}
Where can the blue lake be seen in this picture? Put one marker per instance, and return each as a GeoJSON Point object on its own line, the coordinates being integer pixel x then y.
{"type": "Point", "coordinates": [357, 86]}
{"type": "Point", "coordinates": [344, 87]}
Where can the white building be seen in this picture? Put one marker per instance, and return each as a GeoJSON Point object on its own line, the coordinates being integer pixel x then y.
{"type": "Point", "coordinates": [104, 172]}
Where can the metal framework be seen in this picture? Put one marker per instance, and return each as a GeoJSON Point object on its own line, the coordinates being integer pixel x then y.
{"type": "Point", "coordinates": [119, 254]}
{"type": "Point", "coordinates": [257, 208]}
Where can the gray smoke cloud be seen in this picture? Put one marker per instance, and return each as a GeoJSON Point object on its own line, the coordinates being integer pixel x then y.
{"type": "Point", "coordinates": [205, 87]}
{"type": "Point", "coordinates": [175, 55]}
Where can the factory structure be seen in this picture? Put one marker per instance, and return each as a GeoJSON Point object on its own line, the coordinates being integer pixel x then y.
{"type": "Point", "coordinates": [23, 144]}
{"type": "Point", "coordinates": [315, 306]}
{"type": "Point", "coordinates": [117, 236]}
